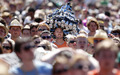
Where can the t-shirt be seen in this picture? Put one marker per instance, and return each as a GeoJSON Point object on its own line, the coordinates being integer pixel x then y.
{"type": "Point", "coordinates": [95, 72]}
{"type": "Point", "coordinates": [41, 68]}
{"type": "Point", "coordinates": [63, 45]}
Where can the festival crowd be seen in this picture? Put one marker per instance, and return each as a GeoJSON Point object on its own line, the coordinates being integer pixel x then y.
{"type": "Point", "coordinates": [59, 37]}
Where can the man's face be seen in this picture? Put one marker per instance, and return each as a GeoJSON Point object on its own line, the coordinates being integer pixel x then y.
{"type": "Point", "coordinates": [15, 31]}
{"type": "Point", "coordinates": [33, 31]}
{"type": "Point", "coordinates": [81, 43]}
{"type": "Point", "coordinates": [106, 59]}
{"type": "Point", "coordinates": [46, 36]}
{"type": "Point", "coordinates": [26, 52]}
{"type": "Point", "coordinates": [2, 32]}
{"type": "Point", "coordinates": [26, 33]}
{"type": "Point", "coordinates": [58, 33]}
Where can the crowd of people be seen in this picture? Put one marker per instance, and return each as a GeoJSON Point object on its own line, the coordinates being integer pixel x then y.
{"type": "Point", "coordinates": [59, 37]}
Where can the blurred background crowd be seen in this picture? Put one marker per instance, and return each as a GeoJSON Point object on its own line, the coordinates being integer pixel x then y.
{"type": "Point", "coordinates": [59, 37]}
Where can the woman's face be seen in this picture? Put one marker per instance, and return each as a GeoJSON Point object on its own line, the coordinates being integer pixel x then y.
{"type": "Point", "coordinates": [58, 33]}
{"type": "Point", "coordinates": [7, 48]}
{"type": "Point", "coordinates": [92, 27]}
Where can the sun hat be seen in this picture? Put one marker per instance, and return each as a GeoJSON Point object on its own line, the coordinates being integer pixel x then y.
{"type": "Point", "coordinates": [99, 34]}
{"type": "Point", "coordinates": [15, 23]}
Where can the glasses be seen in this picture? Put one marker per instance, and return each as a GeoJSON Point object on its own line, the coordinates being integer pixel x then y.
{"type": "Point", "coordinates": [37, 42]}
{"type": "Point", "coordinates": [45, 37]}
{"type": "Point", "coordinates": [57, 71]}
{"type": "Point", "coordinates": [7, 47]}
{"type": "Point", "coordinates": [72, 41]}
{"type": "Point", "coordinates": [42, 47]}
{"type": "Point", "coordinates": [97, 40]}
{"type": "Point", "coordinates": [28, 47]}
{"type": "Point", "coordinates": [41, 29]}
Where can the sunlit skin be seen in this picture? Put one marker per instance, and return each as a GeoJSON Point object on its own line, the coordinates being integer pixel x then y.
{"type": "Point", "coordinates": [26, 33]}
{"type": "Point", "coordinates": [34, 31]}
{"type": "Point", "coordinates": [15, 31]}
{"type": "Point", "coordinates": [6, 43]}
{"type": "Point", "coordinates": [58, 33]}
{"type": "Point", "coordinates": [92, 27]}
{"type": "Point", "coordinates": [106, 59]}
{"type": "Point", "coordinates": [81, 43]}
{"type": "Point", "coordinates": [26, 55]}
{"type": "Point", "coordinates": [2, 32]}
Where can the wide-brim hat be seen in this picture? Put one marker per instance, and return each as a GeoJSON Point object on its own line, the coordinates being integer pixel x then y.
{"type": "Point", "coordinates": [99, 34]}
{"type": "Point", "coordinates": [6, 30]}
{"type": "Point", "coordinates": [15, 23]}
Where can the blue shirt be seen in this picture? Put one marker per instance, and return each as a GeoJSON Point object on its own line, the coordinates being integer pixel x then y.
{"type": "Point", "coordinates": [41, 68]}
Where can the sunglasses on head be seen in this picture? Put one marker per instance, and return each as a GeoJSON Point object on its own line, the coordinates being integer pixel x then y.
{"type": "Point", "coordinates": [41, 29]}
{"type": "Point", "coordinates": [45, 37]}
{"type": "Point", "coordinates": [57, 71]}
{"type": "Point", "coordinates": [72, 41]}
{"type": "Point", "coordinates": [28, 47]}
{"type": "Point", "coordinates": [7, 47]}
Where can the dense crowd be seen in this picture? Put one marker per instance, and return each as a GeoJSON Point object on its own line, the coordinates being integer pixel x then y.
{"type": "Point", "coordinates": [59, 37]}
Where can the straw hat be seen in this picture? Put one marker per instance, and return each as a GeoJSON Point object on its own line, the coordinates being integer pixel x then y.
{"type": "Point", "coordinates": [4, 14]}
{"type": "Point", "coordinates": [3, 26]}
{"type": "Point", "coordinates": [15, 23]}
{"type": "Point", "coordinates": [26, 27]}
{"type": "Point", "coordinates": [99, 34]}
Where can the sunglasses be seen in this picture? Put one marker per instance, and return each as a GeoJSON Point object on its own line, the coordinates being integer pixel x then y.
{"type": "Point", "coordinates": [97, 41]}
{"type": "Point", "coordinates": [72, 41]}
{"type": "Point", "coordinates": [37, 42]}
{"type": "Point", "coordinates": [7, 47]}
{"type": "Point", "coordinates": [44, 47]}
{"type": "Point", "coordinates": [45, 37]}
{"type": "Point", "coordinates": [28, 47]}
{"type": "Point", "coordinates": [41, 29]}
{"type": "Point", "coordinates": [116, 34]}
{"type": "Point", "coordinates": [78, 66]}
{"type": "Point", "coordinates": [57, 71]}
